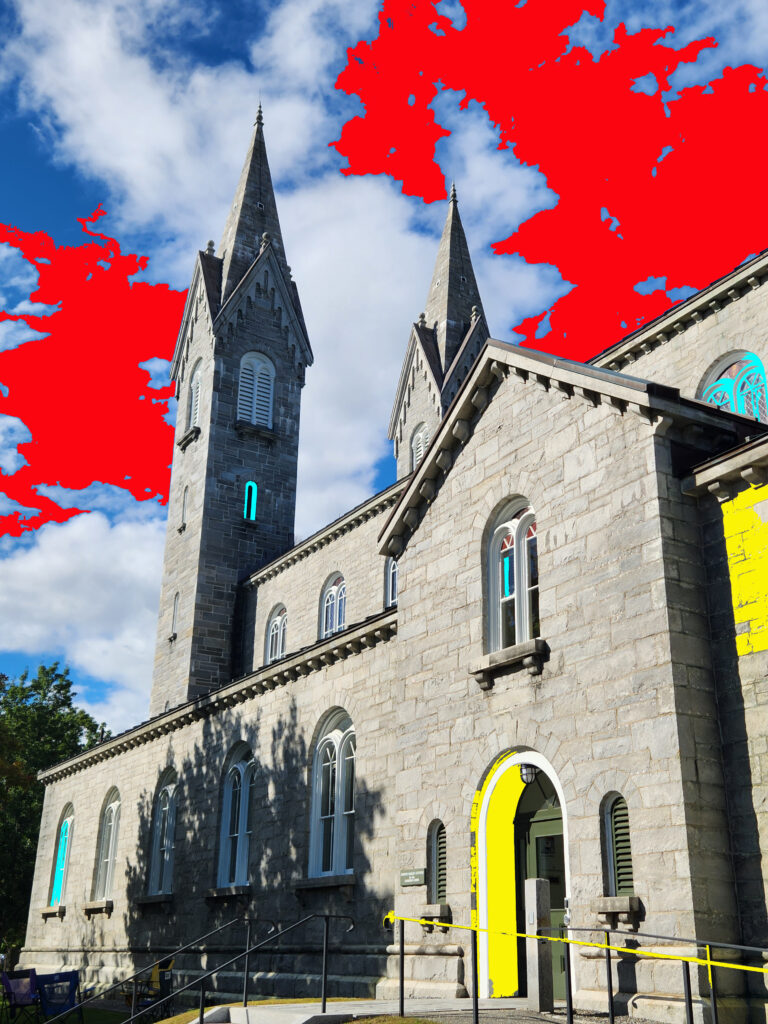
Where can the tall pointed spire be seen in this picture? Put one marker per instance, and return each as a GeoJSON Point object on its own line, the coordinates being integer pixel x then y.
{"type": "Point", "coordinates": [453, 291]}
{"type": "Point", "coordinates": [254, 212]}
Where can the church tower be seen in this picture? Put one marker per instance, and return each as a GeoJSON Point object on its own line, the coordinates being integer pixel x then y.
{"type": "Point", "coordinates": [239, 369]}
{"type": "Point", "coordinates": [443, 344]}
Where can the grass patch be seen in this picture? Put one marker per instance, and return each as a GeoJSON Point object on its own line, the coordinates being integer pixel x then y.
{"type": "Point", "coordinates": [190, 1015]}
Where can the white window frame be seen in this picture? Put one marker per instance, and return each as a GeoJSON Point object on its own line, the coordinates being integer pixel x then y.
{"type": "Point", "coordinates": [109, 834]}
{"type": "Point", "coordinates": [337, 742]}
{"type": "Point", "coordinates": [390, 583]}
{"type": "Point", "coordinates": [256, 390]}
{"type": "Point", "coordinates": [239, 774]}
{"type": "Point", "coordinates": [161, 869]}
{"type": "Point", "coordinates": [193, 408]}
{"type": "Point", "coordinates": [333, 606]}
{"type": "Point", "coordinates": [68, 819]}
{"type": "Point", "coordinates": [419, 444]}
{"type": "Point", "coordinates": [515, 519]}
{"type": "Point", "coordinates": [277, 626]}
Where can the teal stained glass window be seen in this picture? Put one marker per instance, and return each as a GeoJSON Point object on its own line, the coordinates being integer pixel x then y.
{"type": "Point", "coordinates": [741, 388]}
{"type": "Point", "coordinates": [249, 508]}
{"type": "Point", "coordinates": [62, 856]}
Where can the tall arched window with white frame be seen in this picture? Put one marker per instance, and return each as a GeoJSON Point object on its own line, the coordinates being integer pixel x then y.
{"type": "Point", "coordinates": [738, 384]}
{"type": "Point", "coordinates": [61, 861]}
{"type": "Point", "coordinates": [276, 635]}
{"type": "Point", "coordinates": [332, 835]}
{"type": "Point", "coordinates": [193, 405]}
{"type": "Point", "coordinates": [234, 846]}
{"type": "Point", "coordinates": [255, 390]}
{"type": "Point", "coordinates": [107, 849]}
{"type": "Point", "coordinates": [390, 583]}
{"type": "Point", "coordinates": [513, 578]}
{"type": "Point", "coordinates": [163, 833]}
{"type": "Point", "coordinates": [333, 606]}
{"type": "Point", "coordinates": [419, 444]}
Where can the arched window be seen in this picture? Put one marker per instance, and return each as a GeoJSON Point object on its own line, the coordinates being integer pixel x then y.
{"type": "Point", "coordinates": [108, 836]}
{"type": "Point", "coordinates": [61, 862]}
{"type": "Point", "coordinates": [332, 838]}
{"type": "Point", "coordinates": [436, 863]}
{"type": "Point", "coordinates": [163, 829]}
{"type": "Point", "coordinates": [193, 409]}
{"type": "Point", "coordinates": [618, 849]}
{"type": "Point", "coordinates": [255, 391]}
{"type": "Point", "coordinates": [334, 606]}
{"type": "Point", "coordinates": [419, 444]}
{"type": "Point", "coordinates": [390, 583]}
{"type": "Point", "coordinates": [184, 510]}
{"type": "Point", "coordinates": [175, 617]}
{"type": "Point", "coordinates": [739, 386]}
{"type": "Point", "coordinates": [513, 578]}
{"type": "Point", "coordinates": [236, 821]}
{"type": "Point", "coordinates": [276, 629]}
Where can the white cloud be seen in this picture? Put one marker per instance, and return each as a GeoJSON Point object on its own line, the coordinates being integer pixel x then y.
{"type": "Point", "coordinates": [12, 433]}
{"type": "Point", "coordinates": [88, 590]}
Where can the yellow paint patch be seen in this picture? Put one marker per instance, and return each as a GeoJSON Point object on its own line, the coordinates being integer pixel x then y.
{"type": "Point", "coordinates": [746, 541]}
{"type": "Point", "coordinates": [500, 873]}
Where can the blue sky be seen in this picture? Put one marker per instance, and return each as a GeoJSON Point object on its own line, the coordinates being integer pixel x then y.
{"type": "Point", "coordinates": [146, 107]}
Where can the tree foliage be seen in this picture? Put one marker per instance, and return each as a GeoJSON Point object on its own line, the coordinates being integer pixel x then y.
{"type": "Point", "coordinates": [39, 726]}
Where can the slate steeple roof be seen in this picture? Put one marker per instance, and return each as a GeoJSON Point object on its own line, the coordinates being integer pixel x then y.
{"type": "Point", "coordinates": [253, 212]}
{"type": "Point", "coordinates": [453, 291]}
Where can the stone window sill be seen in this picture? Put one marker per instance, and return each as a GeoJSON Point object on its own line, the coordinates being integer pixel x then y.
{"type": "Point", "coordinates": [614, 909]}
{"type": "Point", "coordinates": [531, 655]}
{"type": "Point", "coordinates": [228, 892]}
{"type": "Point", "coordinates": [344, 885]}
{"type": "Point", "coordinates": [58, 911]}
{"type": "Point", "coordinates": [244, 428]}
{"type": "Point", "coordinates": [439, 914]}
{"type": "Point", "coordinates": [98, 907]}
{"type": "Point", "coordinates": [154, 899]}
{"type": "Point", "coordinates": [186, 439]}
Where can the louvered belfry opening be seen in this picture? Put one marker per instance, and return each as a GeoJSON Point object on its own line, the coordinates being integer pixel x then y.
{"type": "Point", "coordinates": [437, 862]}
{"type": "Point", "coordinates": [255, 390]}
{"type": "Point", "coordinates": [623, 880]}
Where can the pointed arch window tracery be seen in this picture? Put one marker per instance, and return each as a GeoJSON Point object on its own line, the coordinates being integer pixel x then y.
{"type": "Point", "coordinates": [740, 387]}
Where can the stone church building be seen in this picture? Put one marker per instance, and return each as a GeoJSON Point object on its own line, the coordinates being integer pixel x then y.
{"type": "Point", "coordinates": [542, 652]}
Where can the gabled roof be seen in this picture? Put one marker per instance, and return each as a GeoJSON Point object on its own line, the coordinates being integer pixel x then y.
{"type": "Point", "coordinates": [726, 289]}
{"type": "Point", "coordinates": [573, 380]}
{"type": "Point", "coordinates": [211, 267]}
{"type": "Point", "coordinates": [421, 339]}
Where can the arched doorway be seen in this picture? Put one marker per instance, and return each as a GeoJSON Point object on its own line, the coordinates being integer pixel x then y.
{"type": "Point", "coordinates": [520, 832]}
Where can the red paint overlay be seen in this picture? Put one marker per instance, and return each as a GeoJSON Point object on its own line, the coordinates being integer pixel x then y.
{"type": "Point", "coordinates": [80, 390]}
{"type": "Point", "coordinates": [625, 211]}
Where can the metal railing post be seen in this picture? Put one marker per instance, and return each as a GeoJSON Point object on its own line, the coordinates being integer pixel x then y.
{"type": "Point", "coordinates": [134, 997]}
{"type": "Point", "coordinates": [402, 967]}
{"type": "Point", "coordinates": [202, 999]}
{"type": "Point", "coordinates": [325, 961]}
{"type": "Point", "coordinates": [687, 993]}
{"type": "Point", "coordinates": [245, 969]}
{"type": "Point", "coordinates": [712, 986]}
{"type": "Point", "coordinates": [475, 1005]}
{"type": "Point", "coordinates": [568, 992]}
{"type": "Point", "coordinates": [609, 976]}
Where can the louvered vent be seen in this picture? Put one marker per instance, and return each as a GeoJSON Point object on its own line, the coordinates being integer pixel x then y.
{"type": "Point", "coordinates": [245, 394]}
{"type": "Point", "coordinates": [263, 405]}
{"type": "Point", "coordinates": [622, 850]}
{"type": "Point", "coordinates": [440, 864]}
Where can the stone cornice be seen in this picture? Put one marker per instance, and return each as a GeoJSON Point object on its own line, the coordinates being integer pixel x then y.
{"type": "Point", "coordinates": [348, 643]}
{"type": "Point", "coordinates": [731, 472]}
{"type": "Point", "coordinates": [730, 288]}
{"type": "Point", "coordinates": [659, 405]}
{"type": "Point", "coordinates": [349, 521]}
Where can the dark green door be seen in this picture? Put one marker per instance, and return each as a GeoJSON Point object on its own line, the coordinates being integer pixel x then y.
{"type": "Point", "coordinates": [545, 859]}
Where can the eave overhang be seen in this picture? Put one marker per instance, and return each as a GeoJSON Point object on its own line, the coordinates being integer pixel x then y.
{"type": "Point", "coordinates": [734, 470]}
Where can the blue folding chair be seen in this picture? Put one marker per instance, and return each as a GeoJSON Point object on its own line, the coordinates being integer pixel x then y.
{"type": "Point", "coordinates": [20, 990]}
{"type": "Point", "coordinates": [59, 992]}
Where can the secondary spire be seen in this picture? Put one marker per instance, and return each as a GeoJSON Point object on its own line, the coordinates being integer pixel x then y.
{"type": "Point", "coordinates": [453, 292]}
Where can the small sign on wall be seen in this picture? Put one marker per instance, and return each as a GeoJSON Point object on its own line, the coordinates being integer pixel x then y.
{"type": "Point", "coordinates": [413, 876]}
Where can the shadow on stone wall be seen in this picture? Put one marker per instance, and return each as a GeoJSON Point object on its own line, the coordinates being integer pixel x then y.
{"type": "Point", "coordinates": [278, 857]}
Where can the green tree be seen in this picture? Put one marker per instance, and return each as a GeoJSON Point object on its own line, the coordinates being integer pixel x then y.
{"type": "Point", "coordinates": [39, 726]}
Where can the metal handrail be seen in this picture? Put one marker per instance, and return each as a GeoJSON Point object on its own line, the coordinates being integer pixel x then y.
{"type": "Point", "coordinates": [133, 977]}
{"type": "Point", "coordinates": [246, 953]}
{"type": "Point", "coordinates": [670, 938]}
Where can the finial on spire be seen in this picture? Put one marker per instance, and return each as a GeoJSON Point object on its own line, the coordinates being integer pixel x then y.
{"type": "Point", "coordinates": [211, 248]}
{"type": "Point", "coordinates": [259, 117]}
{"type": "Point", "coordinates": [453, 192]}
{"type": "Point", "coordinates": [422, 320]}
